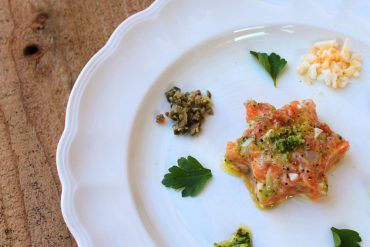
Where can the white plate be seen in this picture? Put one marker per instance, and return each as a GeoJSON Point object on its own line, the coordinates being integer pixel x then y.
{"type": "Point", "coordinates": [112, 155]}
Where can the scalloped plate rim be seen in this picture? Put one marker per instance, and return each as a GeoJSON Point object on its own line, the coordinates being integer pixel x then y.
{"type": "Point", "coordinates": [66, 178]}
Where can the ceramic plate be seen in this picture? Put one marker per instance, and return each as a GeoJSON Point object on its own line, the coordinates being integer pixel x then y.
{"type": "Point", "coordinates": [112, 155]}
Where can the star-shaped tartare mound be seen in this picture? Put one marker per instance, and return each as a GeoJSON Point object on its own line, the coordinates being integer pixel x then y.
{"type": "Point", "coordinates": [285, 152]}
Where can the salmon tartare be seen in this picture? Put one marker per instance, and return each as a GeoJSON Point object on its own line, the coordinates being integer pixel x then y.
{"type": "Point", "coordinates": [285, 152]}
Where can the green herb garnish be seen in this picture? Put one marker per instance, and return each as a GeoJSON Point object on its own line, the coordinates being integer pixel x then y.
{"type": "Point", "coordinates": [287, 140]}
{"type": "Point", "coordinates": [272, 63]}
{"type": "Point", "coordinates": [345, 237]}
{"type": "Point", "coordinates": [290, 143]}
{"type": "Point", "coordinates": [189, 175]}
{"type": "Point", "coordinates": [241, 238]}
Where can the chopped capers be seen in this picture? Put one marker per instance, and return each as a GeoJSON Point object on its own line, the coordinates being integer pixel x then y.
{"type": "Point", "coordinates": [188, 110]}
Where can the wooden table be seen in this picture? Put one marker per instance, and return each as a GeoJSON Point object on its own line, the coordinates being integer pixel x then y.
{"type": "Point", "coordinates": [44, 45]}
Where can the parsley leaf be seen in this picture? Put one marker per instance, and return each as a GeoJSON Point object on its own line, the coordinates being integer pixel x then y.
{"type": "Point", "coordinates": [345, 237]}
{"type": "Point", "coordinates": [189, 175]}
{"type": "Point", "coordinates": [272, 63]}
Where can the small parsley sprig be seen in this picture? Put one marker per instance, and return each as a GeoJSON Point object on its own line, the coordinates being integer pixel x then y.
{"type": "Point", "coordinates": [272, 63]}
{"type": "Point", "coordinates": [189, 175]}
{"type": "Point", "coordinates": [345, 237]}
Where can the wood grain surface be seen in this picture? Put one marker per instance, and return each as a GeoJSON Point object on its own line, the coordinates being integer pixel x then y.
{"type": "Point", "coordinates": [44, 45]}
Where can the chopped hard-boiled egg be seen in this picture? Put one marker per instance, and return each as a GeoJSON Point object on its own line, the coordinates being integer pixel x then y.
{"type": "Point", "coordinates": [317, 132]}
{"type": "Point", "coordinates": [326, 63]}
{"type": "Point", "coordinates": [293, 176]}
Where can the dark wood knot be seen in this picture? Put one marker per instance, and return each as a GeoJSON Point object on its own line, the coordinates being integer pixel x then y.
{"type": "Point", "coordinates": [30, 50]}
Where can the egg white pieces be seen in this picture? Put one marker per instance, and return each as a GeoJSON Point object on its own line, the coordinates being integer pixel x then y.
{"type": "Point", "coordinates": [329, 65]}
